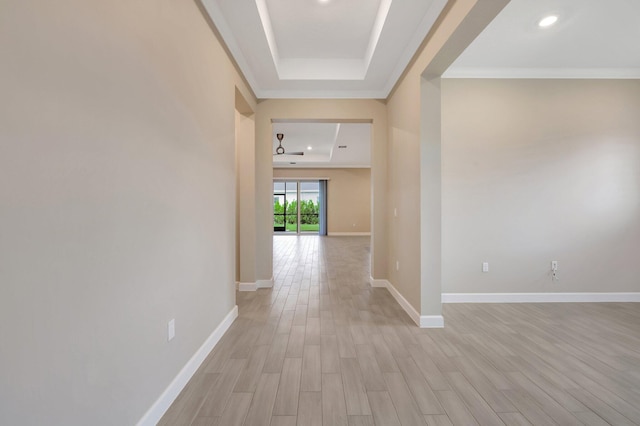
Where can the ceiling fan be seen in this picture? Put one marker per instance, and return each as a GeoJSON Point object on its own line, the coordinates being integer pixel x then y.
{"type": "Point", "coordinates": [280, 148]}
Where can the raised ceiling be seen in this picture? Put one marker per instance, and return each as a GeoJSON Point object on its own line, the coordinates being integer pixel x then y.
{"type": "Point", "coordinates": [324, 144]}
{"type": "Point", "coordinates": [358, 49]}
{"type": "Point", "coordinates": [591, 39]}
{"type": "Point", "coordinates": [323, 49]}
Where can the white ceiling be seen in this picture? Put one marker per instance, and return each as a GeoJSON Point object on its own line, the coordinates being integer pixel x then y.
{"type": "Point", "coordinates": [359, 48]}
{"type": "Point", "coordinates": [591, 39]}
{"type": "Point", "coordinates": [316, 49]}
{"type": "Point", "coordinates": [332, 144]}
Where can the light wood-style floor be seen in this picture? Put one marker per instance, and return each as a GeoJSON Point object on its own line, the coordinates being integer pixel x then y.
{"type": "Point", "coordinates": [324, 348]}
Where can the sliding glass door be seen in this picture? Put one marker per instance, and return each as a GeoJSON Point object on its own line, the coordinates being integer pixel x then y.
{"type": "Point", "coordinates": [296, 206]}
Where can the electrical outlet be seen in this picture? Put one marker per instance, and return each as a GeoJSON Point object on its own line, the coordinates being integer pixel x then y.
{"type": "Point", "coordinates": [397, 265]}
{"type": "Point", "coordinates": [485, 266]}
{"type": "Point", "coordinates": [171, 330]}
{"type": "Point", "coordinates": [554, 270]}
{"type": "Point", "coordinates": [395, 212]}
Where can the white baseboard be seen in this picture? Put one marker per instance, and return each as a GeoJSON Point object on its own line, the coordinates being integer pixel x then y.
{"type": "Point", "coordinates": [349, 234]}
{"type": "Point", "coordinates": [431, 321]}
{"type": "Point", "coordinates": [538, 297]}
{"type": "Point", "coordinates": [265, 283]}
{"type": "Point", "coordinates": [162, 404]}
{"type": "Point", "coordinates": [379, 283]}
{"type": "Point", "coordinates": [422, 321]}
{"type": "Point", "coordinates": [254, 286]}
{"type": "Point", "coordinates": [246, 286]}
{"type": "Point", "coordinates": [410, 310]}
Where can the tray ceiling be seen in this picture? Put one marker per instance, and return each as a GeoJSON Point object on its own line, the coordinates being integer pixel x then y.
{"type": "Point", "coordinates": [323, 48]}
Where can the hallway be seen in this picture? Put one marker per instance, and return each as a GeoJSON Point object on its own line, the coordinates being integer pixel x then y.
{"type": "Point", "coordinates": [324, 348]}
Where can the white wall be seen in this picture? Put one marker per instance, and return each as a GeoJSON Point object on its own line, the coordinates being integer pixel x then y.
{"type": "Point", "coordinates": [541, 170]}
{"type": "Point", "coordinates": [116, 155]}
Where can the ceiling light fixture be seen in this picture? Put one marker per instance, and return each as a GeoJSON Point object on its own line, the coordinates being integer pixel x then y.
{"type": "Point", "coordinates": [309, 148]}
{"type": "Point", "coordinates": [547, 21]}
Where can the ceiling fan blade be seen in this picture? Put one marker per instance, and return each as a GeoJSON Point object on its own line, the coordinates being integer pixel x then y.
{"type": "Point", "coordinates": [289, 153]}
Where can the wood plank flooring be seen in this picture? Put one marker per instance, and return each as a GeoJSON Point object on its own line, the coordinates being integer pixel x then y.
{"type": "Point", "coordinates": [324, 348]}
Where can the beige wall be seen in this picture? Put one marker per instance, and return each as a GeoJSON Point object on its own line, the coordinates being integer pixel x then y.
{"type": "Point", "coordinates": [362, 110]}
{"type": "Point", "coordinates": [116, 155]}
{"type": "Point", "coordinates": [117, 152]}
{"type": "Point", "coordinates": [413, 189]}
{"type": "Point", "coordinates": [541, 170]}
{"type": "Point", "coordinates": [348, 196]}
{"type": "Point", "coordinates": [246, 200]}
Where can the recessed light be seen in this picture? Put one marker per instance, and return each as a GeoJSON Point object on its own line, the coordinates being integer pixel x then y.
{"type": "Point", "coordinates": [547, 21]}
{"type": "Point", "coordinates": [309, 148]}
{"type": "Point", "coordinates": [323, 1]}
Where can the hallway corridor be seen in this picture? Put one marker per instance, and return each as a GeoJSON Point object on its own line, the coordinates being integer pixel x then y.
{"type": "Point", "coordinates": [324, 348]}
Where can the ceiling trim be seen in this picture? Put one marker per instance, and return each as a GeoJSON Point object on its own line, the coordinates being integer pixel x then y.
{"type": "Point", "coordinates": [321, 94]}
{"type": "Point", "coordinates": [227, 39]}
{"type": "Point", "coordinates": [265, 20]}
{"type": "Point", "coordinates": [218, 35]}
{"type": "Point", "coordinates": [415, 46]}
{"type": "Point", "coordinates": [544, 73]}
{"type": "Point", "coordinates": [322, 120]}
{"type": "Point", "coordinates": [301, 178]}
{"type": "Point", "coordinates": [335, 138]}
{"type": "Point", "coordinates": [376, 31]}
{"type": "Point", "coordinates": [435, 26]}
{"type": "Point", "coordinates": [319, 166]}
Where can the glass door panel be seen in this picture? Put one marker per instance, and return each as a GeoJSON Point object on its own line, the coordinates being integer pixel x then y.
{"type": "Point", "coordinates": [279, 202]}
{"type": "Point", "coordinates": [278, 212]}
{"type": "Point", "coordinates": [309, 206]}
{"type": "Point", "coordinates": [291, 206]}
